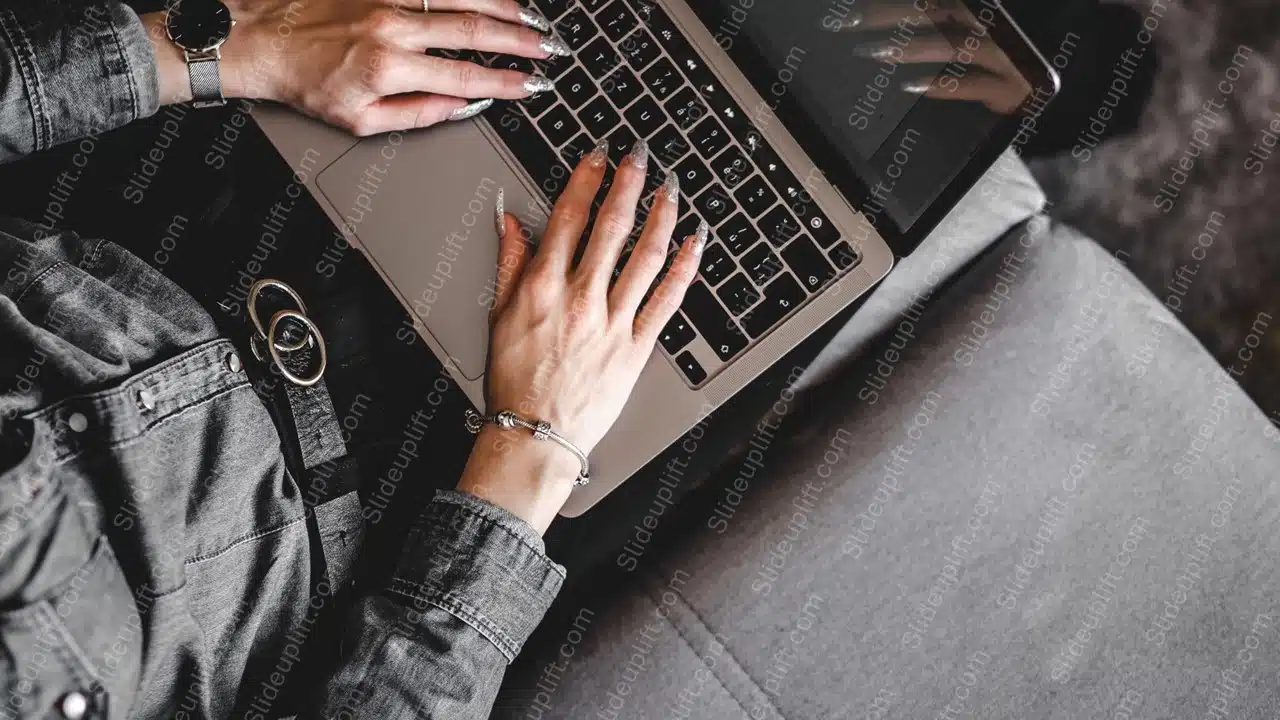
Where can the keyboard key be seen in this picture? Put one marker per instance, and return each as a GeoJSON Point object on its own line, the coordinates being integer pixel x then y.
{"type": "Point", "coordinates": [737, 233]}
{"type": "Point", "coordinates": [806, 261]}
{"type": "Point", "coordinates": [552, 9]}
{"type": "Point", "coordinates": [712, 322]}
{"type": "Point", "coordinates": [715, 205]}
{"type": "Point", "coordinates": [576, 87]}
{"type": "Point", "coordinates": [686, 108]}
{"type": "Point", "coordinates": [617, 20]}
{"type": "Point", "coordinates": [599, 117]}
{"type": "Point", "coordinates": [687, 226]}
{"type": "Point", "coordinates": [690, 367]}
{"type": "Point", "coordinates": [780, 298]}
{"type": "Point", "coordinates": [535, 105]}
{"type": "Point", "coordinates": [709, 138]}
{"type": "Point", "coordinates": [645, 116]}
{"type": "Point", "coordinates": [576, 28]}
{"type": "Point", "coordinates": [843, 256]}
{"type": "Point", "coordinates": [779, 226]}
{"type": "Point", "coordinates": [761, 264]}
{"type": "Point", "coordinates": [559, 125]}
{"type": "Point", "coordinates": [622, 87]}
{"type": "Point", "coordinates": [555, 66]}
{"type": "Point", "coordinates": [676, 334]}
{"type": "Point", "coordinates": [694, 176]}
{"type": "Point", "coordinates": [820, 227]}
{"type": "Point", "coordinates": [620, 142]}
{"type": "Point", "coordinates": [662, 79]}
{"type": "Point", "coordinates": [732, 167]}
{"type": "Point", "coordinates": [593, 5]}
{"type": "Point", "coordinates": [599, 58]}
{"type": "Point", "coordinates": [738, 294]}
{"type": "Point", "coordinates": [716, 264]}
{"type": "Point", "coordinates": [576, 148]}
{"type": "Point", "coordinates": [756, 196]}
{"type": "Point", "coordinates": [668, 146]}
{"type": "Point", "coordinates": [640, 49]}
{"type": "Point", "coordinates": [547, 169]}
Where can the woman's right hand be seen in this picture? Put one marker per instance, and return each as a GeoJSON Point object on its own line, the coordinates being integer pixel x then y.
{"type": "Point", "coordinates": [566, 345]}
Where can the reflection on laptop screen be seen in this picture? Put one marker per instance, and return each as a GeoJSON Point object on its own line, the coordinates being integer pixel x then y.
{"type": "Point", "coordinates": [838, 74]}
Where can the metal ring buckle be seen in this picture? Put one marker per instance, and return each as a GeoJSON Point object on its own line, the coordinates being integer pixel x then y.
{"type": "Point", "coordinates": [274, 348]}
{"type": "Point", "coordinates": [255, 290]}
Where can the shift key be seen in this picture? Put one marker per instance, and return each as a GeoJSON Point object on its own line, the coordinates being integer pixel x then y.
{"type": "Point", "coordinates": [713, 322]}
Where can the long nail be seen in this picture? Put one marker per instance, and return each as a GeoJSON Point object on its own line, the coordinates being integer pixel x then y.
{"type": "Point", "coordinates": [532, 19]}
{"type": "Point", "coordinates": [466, 112]}
{"type": "Point", "coordinates": [639, 157]}
{"type": "Point", "coordinates": [699, 238]}
{"type": "Point", "coordinates": [671, 186]}
{"type": "Point", "coordinates": [916, 87]}
{"type": "Point", "coordinates": [848, 22]}
{"type": "Point", "coordinates": [499, 214]}
{"type": "Point", "coordinates": [553, 45]}
{"type": "Point", "coordinates": [535, 84]}
{"type": "Point", "coordinates": [600, 155]}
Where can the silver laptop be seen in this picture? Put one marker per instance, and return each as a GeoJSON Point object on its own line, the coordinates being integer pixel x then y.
{"type": "Point", "coordinates": [811, 169]}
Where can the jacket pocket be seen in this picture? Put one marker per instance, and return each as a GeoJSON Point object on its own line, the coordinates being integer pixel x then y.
{"type": "Point", "coordinates": [76, 651]}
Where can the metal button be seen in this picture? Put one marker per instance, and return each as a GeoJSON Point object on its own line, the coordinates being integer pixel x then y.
{"type": "Point", "coordinates": [73, 705]}
{"type": "Point", "coordinates": [146, 400]}
{"type": "Point", "coordinates": [233, 362]}
{"type": "Point", "coordinates": [77, 422]}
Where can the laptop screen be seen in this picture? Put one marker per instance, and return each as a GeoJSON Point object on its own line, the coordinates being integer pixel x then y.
{"type": "Point", "coordinates": [849, 80]}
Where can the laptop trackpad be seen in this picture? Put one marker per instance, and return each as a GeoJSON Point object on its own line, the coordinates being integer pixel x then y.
{"type": "Point", "coordinates": [422, 207]}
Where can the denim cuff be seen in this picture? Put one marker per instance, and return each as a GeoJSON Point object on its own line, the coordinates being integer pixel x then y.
{"type": "Point", "coordinates": [74, 70]}
{"type": "Point", "coordinates": [482, 565]}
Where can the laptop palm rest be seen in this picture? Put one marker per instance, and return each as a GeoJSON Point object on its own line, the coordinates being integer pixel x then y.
{"type": "Point", "coordinates": [422, 209]}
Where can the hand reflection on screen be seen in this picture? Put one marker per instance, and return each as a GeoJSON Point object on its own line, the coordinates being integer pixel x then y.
{"type": "Point", "coordinates": [944, 52]}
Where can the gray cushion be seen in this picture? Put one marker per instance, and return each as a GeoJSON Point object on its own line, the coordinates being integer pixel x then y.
{"type": "Point", "coordinates": [1057, 505]}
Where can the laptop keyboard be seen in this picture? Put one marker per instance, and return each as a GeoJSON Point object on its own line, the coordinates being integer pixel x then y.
{"type": "Point", "coordinates": [633, 74]}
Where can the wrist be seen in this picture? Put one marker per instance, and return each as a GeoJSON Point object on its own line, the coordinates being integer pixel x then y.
{"type": "Point", "coordinates": [243, 70]}
{"type": "Point", "coordinates": [530, 478]}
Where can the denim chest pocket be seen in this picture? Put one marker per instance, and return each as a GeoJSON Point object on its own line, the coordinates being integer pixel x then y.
{"type": "Point", "coordinates": [76, 651]}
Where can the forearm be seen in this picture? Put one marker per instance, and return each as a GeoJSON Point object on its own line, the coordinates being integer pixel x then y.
{"type": "Point", "coordinates": [472, 584]}
{"type": "Point", "coordinates": [69, 70]}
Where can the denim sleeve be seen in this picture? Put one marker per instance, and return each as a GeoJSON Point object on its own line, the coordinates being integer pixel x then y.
{"type": "Point", "coordinates": [473, 581]}
{"type": "Point", "coordinates": [71, 69]}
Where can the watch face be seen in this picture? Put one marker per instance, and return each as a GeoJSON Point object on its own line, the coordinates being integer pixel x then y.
{"type": "Point", "coordinates": [197, 25]}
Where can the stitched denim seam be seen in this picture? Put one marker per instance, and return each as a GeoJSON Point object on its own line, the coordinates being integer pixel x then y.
{"type": "Point", "coordinates": [244, 540]}
{"type": "Point", "coordinates": [68, 650]}
{"type": "Point", "coordinates": [471, 616]}
{"type": "Point", "coordinates": [17, 300]}
{"type": "Point", "coordinates": [473, 512]}
{"type": "Point", "coordinates": [30, 74]}
{"type": "Point", "coordinates": [128, 70]}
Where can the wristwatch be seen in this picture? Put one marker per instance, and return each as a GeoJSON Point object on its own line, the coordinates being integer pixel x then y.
{"type": "Point", "coordinates": [200, 27]}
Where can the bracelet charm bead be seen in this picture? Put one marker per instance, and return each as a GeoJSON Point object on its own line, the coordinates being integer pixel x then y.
{"type": "Point", "coordinates": [541, 430]}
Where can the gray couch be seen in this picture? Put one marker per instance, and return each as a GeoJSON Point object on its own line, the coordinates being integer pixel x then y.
{"type": "Point", "coordinates": [1037, 497]}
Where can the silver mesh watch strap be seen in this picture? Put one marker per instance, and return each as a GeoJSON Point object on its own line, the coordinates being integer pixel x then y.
{"type": "Point", "coordinates": [206, 84]}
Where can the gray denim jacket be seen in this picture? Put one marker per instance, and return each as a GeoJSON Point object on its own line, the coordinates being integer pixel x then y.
{"type": "Point", "coordinates": [155, 557]}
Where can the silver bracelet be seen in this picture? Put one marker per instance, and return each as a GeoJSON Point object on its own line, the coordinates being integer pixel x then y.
{"type": "Point", "coordinates": [541, 431]}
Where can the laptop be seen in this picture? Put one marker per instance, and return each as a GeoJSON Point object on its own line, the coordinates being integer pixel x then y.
{"type": "Point", "coordinates": [794, 135]}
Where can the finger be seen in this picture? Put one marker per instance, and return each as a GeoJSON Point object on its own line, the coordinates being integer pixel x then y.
{"type": "Point", "coordinates": [514, 251]}
{"type": "Point", "coordinates": [406, 71]}
{"type": "Point", "coordinates": [413, 110]}
{"type": "Point", "coordinates": [998, 94]}
{"type": "Point", "coordinates": [471, 31]}
{"type": "Point", "coordinates": [921, 49]}
{"type": "Point", "coordinates": [666, 298]}
{"type": "Point", "coordinates": [650, 252]}
{"type": "Point", "coordinates": [508, 10]}
{"type": "Point", "coordinates": [884, 15]}
{"type": "Point", "coordinates": [572, 211]}
{"type": "Point", "coordinates": [616, 219]}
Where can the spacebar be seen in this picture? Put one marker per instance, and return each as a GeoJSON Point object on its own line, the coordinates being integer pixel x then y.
{"type": "Point", "coordinates": [531, 150]}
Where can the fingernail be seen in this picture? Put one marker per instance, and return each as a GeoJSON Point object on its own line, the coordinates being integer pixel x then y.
{"type": "Point", "coordinates": [639, 157]}
{"type": "Point", "coordinates": [599, 155]}
{"type": "Point", "coordinates": [918, 88]}
{"type": "Point", "coordinates": [853, 20]}
{"type": "Point", "coordinates": [499, 214]}
{"type": "Point", "coordinates": [874, 52]}
{"type": "Point", "coordinates": [532, 19]}
{"type": "Point", "coordinates": [535, 84]}
{"type": "Point", "coordinates": [699, 238]}
{"type": "Point", "coordinates": [467, 112]}
{"type": "Point", "coordinates": [671, 186]}
{"type": "Point", "coordinates": [553, 45]}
